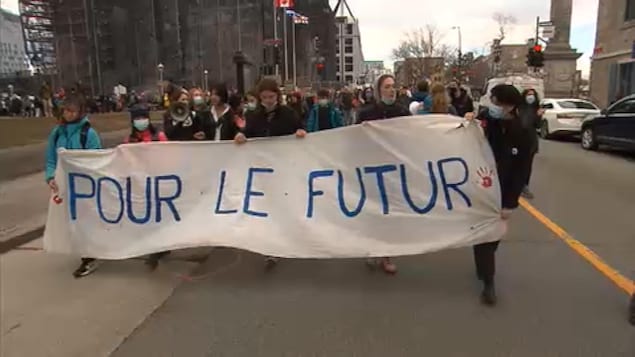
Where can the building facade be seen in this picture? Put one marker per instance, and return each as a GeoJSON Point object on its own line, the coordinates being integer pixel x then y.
{"type": "Point", "coordinates": [412, 70]}
{"type": "Point", "coordinates": [373, 70]}
{"type": "Point", "coordinates": [13, 58]}
{"type": "Point", "coordinates": [613, 61]}
{"type": "Point", "coordinates": [348, 51]}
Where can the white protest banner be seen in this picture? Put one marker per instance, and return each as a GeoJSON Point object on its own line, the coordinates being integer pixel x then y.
{"type": "Point", "coordinates": [393, 187]}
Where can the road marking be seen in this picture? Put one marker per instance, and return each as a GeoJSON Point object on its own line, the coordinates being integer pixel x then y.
{"type": "Point", "coordinates": [618, 279]}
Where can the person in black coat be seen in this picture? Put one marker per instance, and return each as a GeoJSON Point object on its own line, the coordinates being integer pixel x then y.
{"type": "Point", "coordinates": [384, 107]}
{"type": "Point", "coordinates": [271, 118]}
{"type": "Point", "coordinates": [531, 116]}
{"type": "Point", "coordinates": [461, 101]}
{"type": "Point", "coordinates": [512, 150]}
{"type": "Point", "coordinates": [221, 118]}
{"type": "Point", "coordinates": [181, 123]}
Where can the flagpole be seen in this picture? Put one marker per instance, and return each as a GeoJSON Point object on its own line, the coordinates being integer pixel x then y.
{"type": "Point", "coordinates": [275, 34]}
{"type": "Point", "coordinates": [295, 73]}
{"type": "Point", "coordinates": [286, 47]}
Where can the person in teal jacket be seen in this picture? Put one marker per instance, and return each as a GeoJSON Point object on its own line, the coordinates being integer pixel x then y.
{"type": "Point", "coordinates": [324, 115]}
{"type": "Point", "coordinates": [73, 133]}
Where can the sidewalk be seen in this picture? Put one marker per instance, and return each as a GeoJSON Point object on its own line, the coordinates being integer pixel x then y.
{"type": "Point", "coordinates": [47, 312]}
{"type": "Point", "coordinates": [23, 205]}
{"type": "Point", "coordinates": [24, 160]}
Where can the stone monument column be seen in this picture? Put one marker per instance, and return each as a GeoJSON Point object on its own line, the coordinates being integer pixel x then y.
{"type": "Point", "coordinates": [560, 59]}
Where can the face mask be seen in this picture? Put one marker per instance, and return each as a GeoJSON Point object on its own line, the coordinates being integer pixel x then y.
{"type": "Point", "coordinates": [531, 99]}
{"type": "Point", "coordinates": [388, 101]}
{"type": "Point", "coordinates": [251, 106]}
{"type": "Point", "coordinates": [198, 100]}
{"type": "Point", "coordinates": [496, 112]}
{"type": "Point", "coordinates": [141, 124]}
{"type": "Point", "coordinates": [323, 102]}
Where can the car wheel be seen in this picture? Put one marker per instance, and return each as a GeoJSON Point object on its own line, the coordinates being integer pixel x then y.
{"type": "Point", "coordinates": [588, 139]}
{"type": "Point", "coordinates": [544, 130]}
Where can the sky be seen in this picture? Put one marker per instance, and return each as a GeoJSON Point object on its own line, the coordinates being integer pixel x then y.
{"type": "Point", "coordinates": [384, 22]}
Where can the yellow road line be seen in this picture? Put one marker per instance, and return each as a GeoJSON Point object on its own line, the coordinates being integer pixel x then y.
{"type": "Point", "coordinates": [618, 279]}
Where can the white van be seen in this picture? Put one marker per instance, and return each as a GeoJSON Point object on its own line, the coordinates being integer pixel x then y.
{"type": "Point", "coordinates": [521, 82]}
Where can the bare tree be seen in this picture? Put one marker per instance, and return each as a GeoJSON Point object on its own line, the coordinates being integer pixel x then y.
{"type": "Point", "coordinates": [418, 46]}
{"type": "Point", "coordinates": [504, 21]}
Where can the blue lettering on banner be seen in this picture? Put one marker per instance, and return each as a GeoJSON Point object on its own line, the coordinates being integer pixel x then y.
{"type": "Point", "coordinates": [147, 200]}
{"type": "Point", "coordinates": [73, 195]}
{"type": "Point", "coordinates": [454, 186]}
{"type": "Point", "coordinates": [379, 171]}
{"type": "Point", "coordinates": [340, 194]}
{"type": "Point", "coordinates": [406, 194]}
{"type": "Point", "coordinates": [249, 192]}
{"type": "Point", "coordinates": [169, 200]}
{"type": "Point", "coordinates": [221, 188]}
{"type": "Point", "coordinates": [312, 192]}
{"type": "Point", "coordinates": [100, 207]}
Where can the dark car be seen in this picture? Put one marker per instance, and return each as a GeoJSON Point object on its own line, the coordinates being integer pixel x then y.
{"type": "Point", "coordinates": [614, 127]}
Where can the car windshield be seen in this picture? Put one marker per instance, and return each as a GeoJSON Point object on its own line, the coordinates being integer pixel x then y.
{"type": "Point", "coordinates": [576, 104]}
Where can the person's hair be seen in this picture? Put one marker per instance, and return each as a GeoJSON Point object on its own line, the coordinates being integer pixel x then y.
{"type": "Point", "coordinates": [440, 102]}
{"type": "Point", "coordinates": [196, 89]}
{"type": "Point", "coordinates": [220, 89]}
{"type": "Point", "coordinates": [323, 93]}
{"type": "Point", "coordinates": [253, 93]}
{"type": "Point", "coordinates": [507, 94]}
{"type": "Point", "coordinates": [177, 93]}
{"type": "Point", "coordinates": [531, 90]}
{"type": "Point", "coordinates": [423, 86]}
{"type": "Point", "coordinates": [78, 101]}
{"type": "Point", "coordinates": [271, 85]}
{"type": "Point", "coordinates": [235, 101]}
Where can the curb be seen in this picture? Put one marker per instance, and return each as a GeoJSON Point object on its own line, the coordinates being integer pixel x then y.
{"type": "Point", "coordinates": [21, 239]}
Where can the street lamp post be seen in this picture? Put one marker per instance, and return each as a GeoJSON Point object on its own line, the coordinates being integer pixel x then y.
{"type": "Point", "coordinates": [460, 60]}
{"type": "Point", "coordinates": [160, 67]}
{"type": "Point", "coordinates": [205, 85]}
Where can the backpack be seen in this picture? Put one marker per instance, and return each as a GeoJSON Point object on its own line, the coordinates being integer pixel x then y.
{"type": "Point", "coordinates": [83, 135]}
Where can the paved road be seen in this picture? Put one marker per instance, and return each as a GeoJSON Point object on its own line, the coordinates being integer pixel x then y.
{"type": "Point", "coordinates": [552, 302]}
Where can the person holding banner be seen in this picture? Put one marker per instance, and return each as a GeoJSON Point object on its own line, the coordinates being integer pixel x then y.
{"type": "Point", "coordinates": [384, 107]}
{"type": "Point", "coordinates": [271, 118]}
{"type": "Point", "coordinates": [181, 123]}
{"type": "Point", "coordinates": [324, 115]}
{"type": "Point", "coordinates": [512, 151]}
{"type": "Point", "coordinates": [72, 133]}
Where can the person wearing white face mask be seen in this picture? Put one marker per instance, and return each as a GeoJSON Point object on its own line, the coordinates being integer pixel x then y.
{"type": "Point", "coordinates": [324, 115]}
{"type": "Point", "coordinates": [385, 107]}
{"type": "Point", "coordinates": [531, 116]}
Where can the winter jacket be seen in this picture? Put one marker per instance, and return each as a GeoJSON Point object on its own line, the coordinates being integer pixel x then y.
{"type": "Point", "coordinates": [463, 104]}
{"type": "Point", "coordinates": [421, 98]}
{"type": "Point", "coordinates": [279, 122]}
{"type": "Point", "coordinates": [335, 118]}
{"type": "Point", "coordinates": [184, 131]}
{"type": "Point", "coordinates": [512, 152]}
{"type": "Point", "coordinates": [145, 136]}
{"type": "Point", "coordinates": [69, 136]}
{"type": "Point", "coordinates": [226, 124]}
{"type": "Point", "coordinates": [531, 121]}
{"type": "Point", "coordinates": [379, 111]}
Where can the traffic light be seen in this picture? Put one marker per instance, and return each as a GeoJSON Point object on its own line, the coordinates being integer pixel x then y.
{"type": "Point", "coordinates": [319, 67]}
{"type": "Point", "coordinates": [535, 56]}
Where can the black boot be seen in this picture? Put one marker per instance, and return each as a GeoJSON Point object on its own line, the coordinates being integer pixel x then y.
{"type": "Point", "coordinates": [488, 296]}
{"type": "Point", "coordinates": [631, 310]}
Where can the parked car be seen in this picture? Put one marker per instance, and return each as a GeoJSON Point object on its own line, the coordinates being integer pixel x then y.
{"type": "Point", "coordinates": [614, 127]}
{"type": "Point", "coordinates": [565, 116]}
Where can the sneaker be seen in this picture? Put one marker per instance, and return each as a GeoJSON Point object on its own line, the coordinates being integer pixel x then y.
{"type": "Point", "coordinates": [152, 262]}
{"type": "Point", "coordinates": [271, 262]}
{"type": "Point", "coordinates": [631, 311]}
{"type": "Point", "coordinates": [488, 296]}
{"type": "Point", "coordinates": [526, 193]}
{"type": "Point", "coordinates": [85, 268]}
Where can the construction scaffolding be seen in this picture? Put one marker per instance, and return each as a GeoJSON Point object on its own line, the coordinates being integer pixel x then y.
{"type": "Point", "coordinates": [36, 17]}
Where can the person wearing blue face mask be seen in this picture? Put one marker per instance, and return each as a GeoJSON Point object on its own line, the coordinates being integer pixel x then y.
{"type": "Point", "coordinates": [385, 106]}
{"type": "Point", "coordinates": [512, 150]}
{"type": "Point", "coordinates": [324, 115]}
{"type": "Point", "coordinates": [531, 117]}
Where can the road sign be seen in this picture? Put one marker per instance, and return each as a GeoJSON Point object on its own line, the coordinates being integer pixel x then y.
{"type": "Point", "coordinates": [545, 23]}
{"type": "Point", "coordinates": [272, 41]}
{"type": "Point", "coordinates": [548, 32]}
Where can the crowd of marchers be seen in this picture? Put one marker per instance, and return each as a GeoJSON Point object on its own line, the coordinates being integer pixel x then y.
{"type": "Point", "coordinates": [509, 125]}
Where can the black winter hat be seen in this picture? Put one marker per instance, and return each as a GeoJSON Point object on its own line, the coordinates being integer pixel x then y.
{"type": "Point", "coordinates": [139, 111]}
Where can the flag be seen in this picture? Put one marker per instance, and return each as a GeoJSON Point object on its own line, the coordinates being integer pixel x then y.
{"type": "Point", "coordinates": [285, 4]}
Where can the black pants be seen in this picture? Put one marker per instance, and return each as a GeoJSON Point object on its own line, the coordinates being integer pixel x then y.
{"type": "Point", "coordinates": [159, 255]}
{"type": "Point", "coordinates": [88, 260]}
{"type": "Point", "coordinates": [485, 260]}
{"type": "Point", "coordinates": [529, 168]}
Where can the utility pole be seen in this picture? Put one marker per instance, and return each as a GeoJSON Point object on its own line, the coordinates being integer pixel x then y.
{"type": "Point", "coordinates": [96, 43]}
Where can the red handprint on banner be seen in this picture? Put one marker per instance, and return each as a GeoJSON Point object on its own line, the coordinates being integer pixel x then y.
{"type": "Point", "coordinates": [485, 175]}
